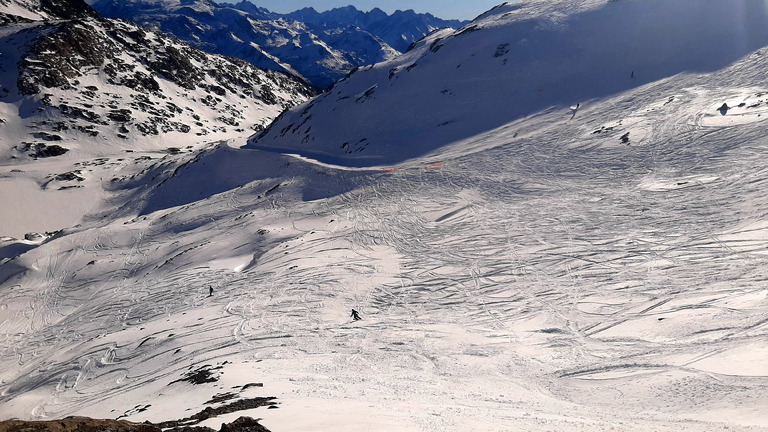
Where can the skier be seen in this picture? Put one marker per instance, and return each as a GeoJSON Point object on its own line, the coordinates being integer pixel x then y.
{"type": "Point", "coordinates": [574, 109]}
{"type": "Point", "coordinates": [355, 315]}
{"type": "Point", "coordinates": [210, 291]}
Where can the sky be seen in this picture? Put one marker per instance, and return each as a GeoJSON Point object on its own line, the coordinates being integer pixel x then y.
{"type": "Point", "coordinates": [446, 9]}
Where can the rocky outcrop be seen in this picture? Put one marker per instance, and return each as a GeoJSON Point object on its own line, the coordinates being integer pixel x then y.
{"type": "Point", "coordinates": [84, 424]}
{"type": "Point", "coordinates": [67, 9]}
{"type": "Point", "coordinates": [76, 424]}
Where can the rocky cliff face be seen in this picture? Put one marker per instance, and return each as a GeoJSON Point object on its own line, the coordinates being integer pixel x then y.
{"type": "Point", "coordinates": [83, 76]}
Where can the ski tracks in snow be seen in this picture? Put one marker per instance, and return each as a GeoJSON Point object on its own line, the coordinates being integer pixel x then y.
{"type": "Point", "coordinates": [557, 278]}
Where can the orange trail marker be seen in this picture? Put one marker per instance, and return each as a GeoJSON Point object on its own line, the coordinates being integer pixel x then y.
{"type": "Point", "coordinates": [390, 169]}
{"type": "Point", "coordinates": [436, 166]}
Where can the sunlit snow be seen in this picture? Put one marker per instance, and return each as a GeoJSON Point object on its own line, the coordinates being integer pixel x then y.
{"type": "Point", "coordinates": [540, 268]}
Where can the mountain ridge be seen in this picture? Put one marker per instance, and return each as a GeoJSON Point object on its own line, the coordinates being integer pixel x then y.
{"type": "Point", "coordinates": [505, 66]}
{"type": "Point", "coordinates": [390, 27]}
{"type": "Point", "coordinates": [311, 50]}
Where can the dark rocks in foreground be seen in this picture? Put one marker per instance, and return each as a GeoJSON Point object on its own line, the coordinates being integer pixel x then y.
{"type": "Point", "coordinates": [84, 424]}
{"type": "Point", "coordinates": [188, 424]}
{"type": "Point", "coordinates": [76, 424]}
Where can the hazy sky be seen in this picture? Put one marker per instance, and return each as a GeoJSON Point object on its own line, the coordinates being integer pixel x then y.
{"type": "Point", "coordinates": [446, 9]}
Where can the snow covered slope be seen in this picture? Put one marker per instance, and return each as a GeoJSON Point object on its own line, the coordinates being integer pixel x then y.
{"type": "Point", "coordinates": [594, 269]}
{"type": "Point", "coordinates": [77, 87]}
{"type": "Point", "coordinates": [112, 79]}
{"type": "Point", "coordinates": [513, 61]}
{"type": "Point", "coordinates": [37, 10]}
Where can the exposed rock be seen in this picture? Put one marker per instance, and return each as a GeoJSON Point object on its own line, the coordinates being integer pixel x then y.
{"type": "Point", "coordinates": [625, 138]}
{"type": "Point", "coordinates": [70, 176]}
{"type": "Point", "coordinates": [121, 115]}
{"type": "Point", "coordinates": [33, 236]}
{"type": "Point", "coordinates": [206, 373]}
{"type": "Point", "coordinates": [76, 424]}
{"type": "Point", "coordinates": [161, 79]}
{"type": "Point", "coordinates": [60, 55]}
{"type": "Point", "coordinates": [67, 9]}
{"type": "Point", "coordinates": [84, 424]}
{"type": "Point", "coordinates": [47, 136]}
{"type": "Point", "coordinates": [243, 424]}
{"type": "Point", "coordinates": [40, 150]}
{"type": "Point", "coordinates": [208, 412]}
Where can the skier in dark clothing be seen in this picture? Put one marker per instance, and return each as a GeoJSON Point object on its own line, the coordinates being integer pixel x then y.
{"type": "Point", "coordinates": [355, 315]}
{"type": "Point", "coordinates": [210, 291]}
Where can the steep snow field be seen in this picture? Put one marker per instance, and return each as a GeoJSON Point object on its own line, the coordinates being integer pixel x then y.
{"type": "Point", "coordinates": [512, 62]}
{"type": "Point", "coordinates": [589, 269]}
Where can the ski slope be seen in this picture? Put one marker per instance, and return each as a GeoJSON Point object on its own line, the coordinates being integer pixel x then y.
{"type": "Point", "coordinates": [551, 273]}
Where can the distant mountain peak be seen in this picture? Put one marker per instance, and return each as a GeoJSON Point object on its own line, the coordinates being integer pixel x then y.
{"type": "Point", "coordinates": [320, 47]}
{"type": "Point", "coordinates": [398, 30]}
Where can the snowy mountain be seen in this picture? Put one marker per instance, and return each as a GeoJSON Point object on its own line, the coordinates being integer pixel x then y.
{"type": "Point", "coordinates": [585, 250]}
{"type": "Point", "coordinates": [508, 64]}
{"type": "Point", "coordinates": [322, 49]}
{"type": "Point", "coordinates": [398, 30]}
{"type": "Point", "coordinates": [86, 78]}
{"type": "Point", "coordinates": [77, 87]}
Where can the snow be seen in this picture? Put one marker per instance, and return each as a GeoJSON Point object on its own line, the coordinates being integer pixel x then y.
{"type": "Point", "coordinates": [513, 62]}
{"type": "Point", "coordinates": [20, 9]}
{"type": "Point", "coordinates": [746, 108]}
{"type": "Point", "coordinates": [28, 208]}
{"type": "Point", "coordinates": [747, 360]}
{"type": "Point", "coordinates": [528, 275]}
{"type": "Point", "coordinates": [34, 200]}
